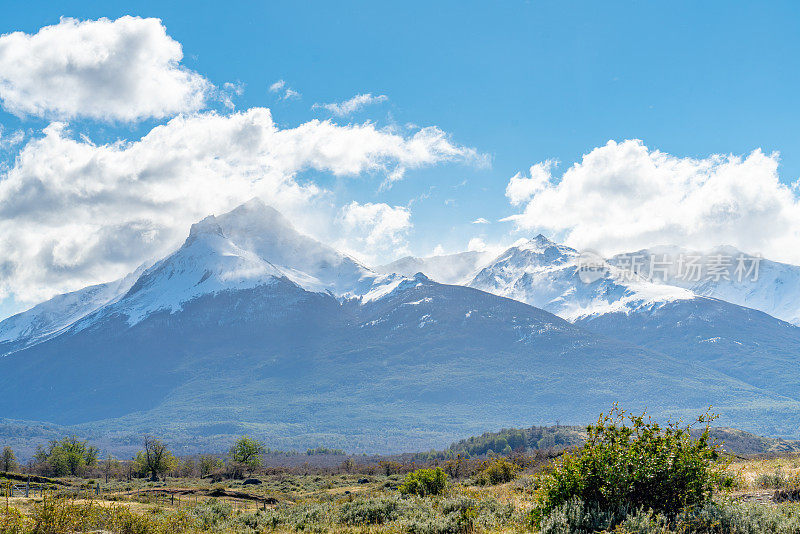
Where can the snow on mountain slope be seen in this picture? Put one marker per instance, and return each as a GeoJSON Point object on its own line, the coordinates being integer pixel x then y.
{"type": "Point", "coordinates": [446, 269]}
{"type": "Point", "coordinates": [250, 326]}
{"type": "Point", "coordinates": [621, 300]}
{"type": "Point", "coordinates": [422, 363]}
{"type": "Point", "coordinates": [546, 275]}
{"type": "Point", "coordinates": [207, 263]}
{"type": "Point", "coordinates": [745, 279]}
{"type": "Point", "coordinates": [51, 317]}
{"type": "Point", "coordinates": [315, 266]}
{"type": "Point", "coordinates": [250, 246]}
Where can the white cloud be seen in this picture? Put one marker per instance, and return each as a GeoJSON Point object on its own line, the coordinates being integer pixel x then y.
{"type": "Point", "coordinates": [476, 244]}
{"type": "Point", "coordinates": [284, 91]}
{"type": "Point", "coordinates": [74, 213]}
{"type": "Point", "coordinates": [521, 189]}
{"type": "Point", "coordinates": [348, 107]}
{"type": "Point", "coordinates": [228, 92]}
{"type": "Point", "coordinates": [10, 141]}
{"type": "Point", "coordinates": [291, 94]}
{"type": "Point", "coordinates": [624, 196]}
{"type": "Point", "coordinates": [480, 220]}
{"type": "Point", "coordinates": [127, 69]}
{"type": "Point", "coordinates": [374, 228]}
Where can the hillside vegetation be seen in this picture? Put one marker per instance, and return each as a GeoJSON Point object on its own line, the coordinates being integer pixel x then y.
{"type": "Point", "coordinates": [730, 440]}
{"type": "Point", "coordinates": [627, 475]}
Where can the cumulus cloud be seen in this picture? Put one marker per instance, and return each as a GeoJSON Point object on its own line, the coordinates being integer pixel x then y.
{"type": "Point", "coordinates": [480, 220]}
{"type": "Point", "coordinates": [348, 107]}
{"type": "Point", "coordinates": [520, 189]}
{"type": "Point", "coordinates": [625, 196]}
{"type": "Point", "coordinates": [376, 227]}
{"type": "Point", "coordinates": [74, 213]}
{"type": "Point", "coordinates": [126, 69]}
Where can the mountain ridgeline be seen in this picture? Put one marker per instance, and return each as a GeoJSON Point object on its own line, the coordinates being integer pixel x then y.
{"type": "Point", "coordinates": [253, 328]}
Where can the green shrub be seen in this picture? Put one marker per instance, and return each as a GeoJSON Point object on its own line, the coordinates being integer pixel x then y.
{"type": "Point", "coordinates": [527, 484]}
{"type": "Point", "coordinates": [630, 463]}
{"type": "Point", "coordinates": [369, 511]}
{"type": "Point", "coordinates": [776, 480]}
{"type": "Point", "coordinates": [424, 482]}
{"type": "Point", "coordinates": [445, 524]}
{"type": "Point", "coordinates": [575, 517]}
{"type": "Point", "coordinates": [211, 513]}
{"type": "Point", "coordinates": [498, 471]}
{"type": "Point", "coordinates": [740, 518]}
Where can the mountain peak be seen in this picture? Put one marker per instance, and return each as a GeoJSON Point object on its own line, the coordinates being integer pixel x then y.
{"type": "Point", "coordinates": [264, 232]}
{"type": "Point", "coordinates": [541, 245]}
{"type": "Point", "coordinates": [254, 216]}
{"type": "Point", "coordinates": [254, 204]}
{"type": "Point", "coordinates": [540, 238]}
{"type": "Point", "coordinates": [208, 226]}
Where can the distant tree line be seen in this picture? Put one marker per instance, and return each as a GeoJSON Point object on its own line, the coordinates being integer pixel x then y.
{"type": "Point", "coordinates": [72, 457]}
{"type": "Point", "coordinates": [520, 440]}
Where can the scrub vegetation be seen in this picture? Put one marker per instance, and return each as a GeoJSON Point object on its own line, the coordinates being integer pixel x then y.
{"type": "Point", "coordinates": [626, 474]}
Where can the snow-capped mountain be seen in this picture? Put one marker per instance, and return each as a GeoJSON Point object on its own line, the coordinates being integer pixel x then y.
{"type": "Point", "coordinates": [250, 327]}
{"type": "Point", "coordinates": [251, 246]}
{"type": "Point", "coordinates": [725, 273]}
{"type": "Point", "coordinates": [620, 302]}
{"type": "Point", "coordinates": [457, 268]}
{"type": "Point", "coordinates": [547, 275]}
{"type": "Point", "coordinates": [263, 231]}
{"type": "Point", "coordinates": [53, 316]}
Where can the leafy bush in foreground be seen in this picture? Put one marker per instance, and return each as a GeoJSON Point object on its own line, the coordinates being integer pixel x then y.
{"type": "Point", "coordinates": [628, 463]}
{"type": "Point", "coordinates": [424, 482]}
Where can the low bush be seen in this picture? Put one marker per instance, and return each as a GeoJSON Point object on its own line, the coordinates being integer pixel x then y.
{"type": "Point", "coordinates": [369, 511]}
{"type": "Point", "coordinates": [576, 517]}
{"type": "Point", "coordinates": [498, 471]}
{"type": "Point", "coordinates": [457, 515]}
{"type": "Point", "coordinates": [774, 480]}
{"type": "Point", "coordinates": [740, 518]}
{"type": "Point", "coordinates": [444, 524]}
{"type": "Point", "coordinates": [424, 482]}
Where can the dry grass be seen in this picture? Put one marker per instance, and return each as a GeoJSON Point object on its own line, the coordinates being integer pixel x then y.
{"type": "Point", "coordinates": [750, 471]}
{"type": "Point", "coordinates": [315, 503]}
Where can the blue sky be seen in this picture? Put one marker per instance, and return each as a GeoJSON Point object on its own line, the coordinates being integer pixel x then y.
{"type": "Point", "coordinates": [518, 82]}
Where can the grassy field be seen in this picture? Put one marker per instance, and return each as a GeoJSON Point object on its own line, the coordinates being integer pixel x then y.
{"type": "Point", "coordinates": [295, 501]}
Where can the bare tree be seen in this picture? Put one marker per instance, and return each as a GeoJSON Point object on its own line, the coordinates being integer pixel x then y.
{"type": "Point", "coordinates": [110, 466]}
